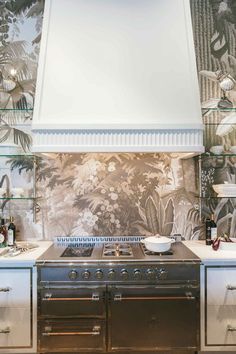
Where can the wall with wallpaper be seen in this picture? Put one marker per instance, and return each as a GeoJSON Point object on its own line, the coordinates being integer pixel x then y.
{"type": "Point", "coordinates": [103, 194]}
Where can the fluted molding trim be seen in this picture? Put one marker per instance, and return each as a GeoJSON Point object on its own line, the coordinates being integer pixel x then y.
{"type": "Point", "coordinates": [118, 140]}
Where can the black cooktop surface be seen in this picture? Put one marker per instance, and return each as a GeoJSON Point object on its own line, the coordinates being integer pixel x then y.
{"type": "Point", "coordinates": [79, 250]}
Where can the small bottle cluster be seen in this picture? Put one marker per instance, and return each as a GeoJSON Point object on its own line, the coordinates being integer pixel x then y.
{"type": "Point", "coordinates": [7, 232]}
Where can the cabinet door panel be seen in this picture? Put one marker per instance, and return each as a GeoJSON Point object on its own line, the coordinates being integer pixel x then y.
{"type": "Point", "coordinates": [15, 325]}
{"type": "Point", "coordinates": [220, 319]}
{"type": "Point", "coordinates": [219, 281]}
{"type": "Point", "coordinates": [15, 287]}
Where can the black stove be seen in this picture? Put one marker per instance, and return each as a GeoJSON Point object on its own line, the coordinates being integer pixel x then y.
{"type": "Point", "coordinates": [91, 294]}
{"type": "Point", "coordinates": [78, 250]}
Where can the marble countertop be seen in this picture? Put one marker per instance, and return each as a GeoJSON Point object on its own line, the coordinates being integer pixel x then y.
{"type": "Point", "coordinates": [27, 257]}
{"type": "Point", "coordinates": [207, 254]}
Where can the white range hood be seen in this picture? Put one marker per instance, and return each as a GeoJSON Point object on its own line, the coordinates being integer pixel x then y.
{"type": "Point", "coordinates": [117, 75]}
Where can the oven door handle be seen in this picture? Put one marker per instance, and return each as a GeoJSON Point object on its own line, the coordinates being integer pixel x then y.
{"type": "Point", "coordinates": [187, 296]}
{"type": "Point", "coordinates": [96, 331]}
{"type": "Point", "coordinates": [49, 297]}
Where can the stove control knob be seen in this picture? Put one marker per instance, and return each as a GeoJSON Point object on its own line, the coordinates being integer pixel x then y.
{"type": "Point", "coordinates": [111, 274]}
{"type": "Point", "coordinates": [162, 274]}
{"type": "Point", "coordinates": [99, 274]}
{"type": "Point", "coordinates": [86, 275]}
{"type": "Point", "coordinates": [137, 274]}
{"type": "Point", "coordinates": [73, 275]}
{"type": "Point", "coordinates": [124, 274]}
{"type": "Point", "coordinates": [150, 274]}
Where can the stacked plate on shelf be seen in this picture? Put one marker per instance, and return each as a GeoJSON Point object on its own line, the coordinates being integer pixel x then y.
{"type": "Point", "coordinates": [226, 190]}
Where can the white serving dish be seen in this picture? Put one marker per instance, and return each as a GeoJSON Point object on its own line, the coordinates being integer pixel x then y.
{"type": "Point", "coordinates": [228, 246]}
{"type": "Point", "coordinates": [217, 150]}
{"type": "Point", "coordinates": [226, 125]}
{"type": "Point", "coordinates": [226, 189]}
{"type": "Point", "coordinates": [157, 243]}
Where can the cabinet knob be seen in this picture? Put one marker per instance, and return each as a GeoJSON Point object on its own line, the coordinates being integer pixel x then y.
{"type": "Point", "coordinates": [231, 328]}
{"type": "Point", "coordinates": [5, 330]}
{"type": "Point", "coordinates": [231, 287]}
{"type": "Point", "coordinates": [5, 290]}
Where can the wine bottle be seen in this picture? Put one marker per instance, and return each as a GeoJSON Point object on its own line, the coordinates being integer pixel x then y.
{"type": "Point", "coordinates": [11, 232]}
{"type": "Point", "coordinates": [213, 228]}
{"type": "Point", "coordinates": [208, 232]}
{"type": "Point", "coordinates": [3, 234]}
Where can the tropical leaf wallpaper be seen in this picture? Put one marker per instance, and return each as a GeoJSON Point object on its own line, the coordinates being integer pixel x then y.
{"type": "Point", "coordinates": [116, 194]}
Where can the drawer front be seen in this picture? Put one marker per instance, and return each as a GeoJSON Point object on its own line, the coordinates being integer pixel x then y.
{"type": "Point", "coordinates": [221, 286]}
{"type": "Point", "coordinates": [15, 327]}
{"type": "Point", "coordinates": [15, 287]}
{"type": "Point", "coordinates": [71, 336]}
{"type": "Point", "coordinates": [221, 325]}
{"type": "Point", "coordinates": [72, 302]}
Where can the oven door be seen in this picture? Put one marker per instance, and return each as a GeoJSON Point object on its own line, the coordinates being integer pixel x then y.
{"type": "Point", "coordinates": [71, 336]}
{"type": "Point", "coordinates": [71, 301]}
{"type": "Point", "coordinates": [143, 318]}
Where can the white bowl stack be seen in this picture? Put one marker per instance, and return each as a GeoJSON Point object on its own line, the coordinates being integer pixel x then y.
{"type": "Point", "coordinates": [226, 190]}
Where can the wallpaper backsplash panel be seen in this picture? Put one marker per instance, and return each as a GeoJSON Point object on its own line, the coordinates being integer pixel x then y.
{"type": "Point", "coordinates": [105, 194]}
{"type": "Point", "coordinates": [118, 194]}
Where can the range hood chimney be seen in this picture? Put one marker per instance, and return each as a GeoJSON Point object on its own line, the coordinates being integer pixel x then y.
{"type": "Point", "coordinates": [117, 75]}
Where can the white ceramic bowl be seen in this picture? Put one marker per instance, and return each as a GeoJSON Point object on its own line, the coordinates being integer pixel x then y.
{"type": "Point", "coordinates": [217, 150]}
{"type": "Point", "coordinates": [157, 243]}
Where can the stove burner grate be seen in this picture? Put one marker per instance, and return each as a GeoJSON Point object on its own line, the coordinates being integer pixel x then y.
{"type": "Point", "coordinates": [117, 250]}
{"type": "Point", "coordinates": [151, 253]}
{"type": "Point", "coordinates": [78, 250]}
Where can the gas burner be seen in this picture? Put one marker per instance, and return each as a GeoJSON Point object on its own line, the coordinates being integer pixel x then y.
{"type": "Point", "coordinates": [151, 253]}
{"type": "Point", "coordinates": [117, 250]}
{"type": "Point", "coordinates": [78, 250]}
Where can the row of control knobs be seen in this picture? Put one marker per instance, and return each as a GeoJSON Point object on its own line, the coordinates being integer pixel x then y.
{"type": "Point", "coordinates": [123, 274]}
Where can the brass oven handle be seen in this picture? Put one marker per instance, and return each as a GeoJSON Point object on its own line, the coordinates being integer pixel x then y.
{"type": "Point", "coordinates": [119, 297]}
{"type": "Point", "coordinates": [231, 287]}
{"type": "Point", "coordinates": [96, 331]}
{"type": "Point", "coordinates": [231, 329]}
{"type": "Point", "coordinates": [48, 297]}
{"type": "Point", "coordinates": [5, 290]}
{"type": "Point", "coordinates": [5, 330]}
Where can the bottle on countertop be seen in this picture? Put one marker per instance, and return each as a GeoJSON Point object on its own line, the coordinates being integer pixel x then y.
{"type": "Point", "coordinates": [208, 231]}
{"type": "Point", "coordinates": [11, 232]}
{"type": "Point", "coordinates": [3, 234]}
{"type": "Point", "coordinates": [211, 230]}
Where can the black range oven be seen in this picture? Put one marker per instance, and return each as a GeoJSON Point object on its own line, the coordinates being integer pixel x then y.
{"type": "Point", "coordinates": [118, 305]}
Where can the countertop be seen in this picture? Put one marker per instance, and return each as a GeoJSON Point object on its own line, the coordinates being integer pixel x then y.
{"type": "Point", "coordinates": [26, 258]}
{"type": "Point", "coordinates": [207, 254]}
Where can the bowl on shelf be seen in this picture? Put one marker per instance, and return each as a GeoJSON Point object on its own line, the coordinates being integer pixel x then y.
{"type": "Point", "coordinates": [17, 192]}
{"type": "Point", "coordinates": [233, 149]}
{"type": "Point", "coordinates": [225, 189]}
{"type": "Point", "coordinates": [217, 149]}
